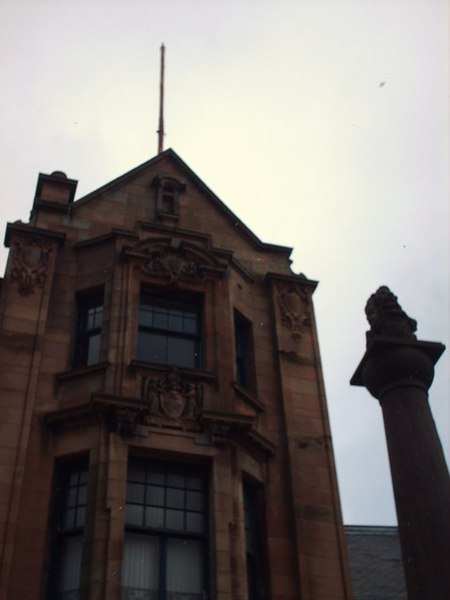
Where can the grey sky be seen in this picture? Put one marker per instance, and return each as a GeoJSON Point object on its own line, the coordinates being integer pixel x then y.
{"type": "Point", "coordinates": [322, 124]}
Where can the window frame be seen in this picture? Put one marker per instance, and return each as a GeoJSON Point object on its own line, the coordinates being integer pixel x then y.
{"type": "Point", "coordinates": [181, 302]}
{"type": "Point", "coordinates": [87, 302]}
{"type": "Point", "coordinates": [60, 534]}
{"type": "Point", "coordinates": [255, 539]}
{"type": "Point", "coordinates": [244, 361]}
{"type": "Point", "coordinates": [163, 535]}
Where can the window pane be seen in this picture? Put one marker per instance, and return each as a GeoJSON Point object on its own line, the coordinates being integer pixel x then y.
{"type": "Point", "coordinates": [152, 347]}
{"type": "Point", "coordinates": [155, 495]}
{"type": "Point", "coordinates": [175, 519]}
{"type": "Point", "coordinates": [181, 352]}
{"type": "Point", "coordinates": [190, 324]}
{"type": "Point", "coordinates": [175, 320]}
{"type": "Point", "coordinates": [156, 476]}
{"type": "Point", "coordinates": [136, 471]}
{"type": "Point", "coordinates": [72, 497]}
{"type": "Point", "coordinates": [154, 517]}
{"type": "Point", "coordinates": [194, 482]}
{"type": "Point", "coordinates": [146, 316]}
{"type": "Point", "coordinates": [194, 522]}
{"type": "Point", "coordinates": [194, 500]}
{"type": "Point", "coordinates": [175, 479]}
{"type": "Point", "coordinates": [68, 519]}
{"type": "Point", "coordinates": [175, 498]}
{"type": "Point", "coordinates": [94, 317]}
{"type": "Point", "coordinates": [184, 571]}
{"type": "Point", "coordinates": [82, 494]}
{"type": "Point", "coordinates": [135, 493]}
{"type": "Point", "coordinates": [70, 564]}
{"type": "Point", "coordinates": [140, 562]}
{"type": "Point", "coordinates": [134, 515]}
{"type": "Point", "coordinates": [93, 349]}
{"type": "Point", "coordinates": [80, 517]}
{"type": "Point", "coordinates": [160, 317]}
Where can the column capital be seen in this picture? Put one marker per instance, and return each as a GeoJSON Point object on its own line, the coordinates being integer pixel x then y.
{"type": "Point", "coordinates": [393, 362]}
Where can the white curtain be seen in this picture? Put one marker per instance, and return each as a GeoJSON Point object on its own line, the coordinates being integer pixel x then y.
{"type": "Point", "coordinates": [184, 570]}
{"type": "Point", "coordinates": [70, 567]}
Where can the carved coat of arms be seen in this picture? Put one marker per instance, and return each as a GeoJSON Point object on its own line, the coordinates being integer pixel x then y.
{"type": "Point", "coordinates": [295, 310]}
{"type": "Point", "coordinates": [174, 264]}
{"type": "Point", "coordinates": [30, 265]}
{"type": "Point", "coordinates": [172, 396]}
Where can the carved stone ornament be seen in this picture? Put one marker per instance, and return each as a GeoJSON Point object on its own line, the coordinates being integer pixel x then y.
{"type": "Point", "coordinates": [30, 264]}
{"type": "Point", "coordinates": [126, 420]}
{"type": "Point", "coordinates": [172, 397]}
{"type": "Point", "coordinates": [386, 317]}
{"type": "Point", "coordinates": [295, 309]}
{"type": "Point", "coordinates": [173, 263]}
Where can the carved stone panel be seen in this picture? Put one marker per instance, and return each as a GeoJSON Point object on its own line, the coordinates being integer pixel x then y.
{"type": "Point", "coordinates": [175, 264]}
{"type": "Point", "coordinates": [172, 397]}
{"type": "Point", "coordinates": [295, 308]}
{"type": "Point", "coordinates": [30, 264]}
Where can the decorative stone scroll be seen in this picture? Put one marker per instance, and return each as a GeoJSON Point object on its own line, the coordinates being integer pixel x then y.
{"type": "Point", "coordinates": [173, 263]}
{"type": "Point", "coordinates": [30, 264]}
{"type": "Point", "coordinates": [295, 307]}
{"type": "Point", "coordinates": [386, 317]}
{"type": "Point", "coordinates": [172, 397]}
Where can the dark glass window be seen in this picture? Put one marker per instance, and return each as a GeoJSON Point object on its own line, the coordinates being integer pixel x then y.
{"type": "Point", "coordinates": [243, 340]}
{"type": "Point", "coordinates": [168, 198]}
{"type": "Point", "coordinates": [71, 494]}
{"type": "Point", "coordinates": [89, 330]}
{"type": "Point", "coordinates": [253, 522]}
{"type": "Point", "coordinates": [166, 525]}
{"type": "Point", "coordinates": [169, 331]}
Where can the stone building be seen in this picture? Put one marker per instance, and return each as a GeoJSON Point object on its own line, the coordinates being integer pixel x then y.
{"type": "Point", "coordinates": [164, 430]}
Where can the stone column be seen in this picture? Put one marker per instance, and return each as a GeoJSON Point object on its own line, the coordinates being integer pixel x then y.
{"type": "Point", "coordinates": [398, 370]}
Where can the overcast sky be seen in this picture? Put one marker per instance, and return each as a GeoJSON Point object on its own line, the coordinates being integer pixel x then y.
{"type": "Point", "coordinates": [322, 124]}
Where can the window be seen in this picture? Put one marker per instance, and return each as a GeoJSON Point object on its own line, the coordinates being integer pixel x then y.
{"type": "Point", "coordinates": [243, 340]}
{"type": "Point", "coordinates": [89, 328]}
{"type": "Point", "coordinates": [254, 541]}
{"type": "Point", "coordinates": [168, 198]}
{"type": "Point", "coordinates": [166, 525]}
{"type": "Point", "coordinates": [169, 331]}
{"type": "Point", "coordinates": [71, 493]}
{"type": "Point", "coordinates": [168, 191]}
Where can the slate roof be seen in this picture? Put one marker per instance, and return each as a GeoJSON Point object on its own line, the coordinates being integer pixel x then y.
{"type": "Point", "coordinates": [375, 563]}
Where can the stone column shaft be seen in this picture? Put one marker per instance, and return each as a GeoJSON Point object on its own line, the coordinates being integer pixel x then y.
{"type": "Point", "coordinates": [398, 370]}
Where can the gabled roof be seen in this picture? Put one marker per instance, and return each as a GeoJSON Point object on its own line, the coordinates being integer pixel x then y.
{"type": "Point", "coordinates": [172, 155]}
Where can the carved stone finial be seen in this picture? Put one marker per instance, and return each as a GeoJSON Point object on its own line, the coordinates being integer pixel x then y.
{"type": "Point", "coordinates": [386, 317]}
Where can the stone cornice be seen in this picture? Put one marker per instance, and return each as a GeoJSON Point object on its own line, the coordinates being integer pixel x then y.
{"type": "Point", "coordinates": [32, 231]}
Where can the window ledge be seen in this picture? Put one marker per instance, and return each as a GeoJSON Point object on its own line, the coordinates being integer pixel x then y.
{"type": "Point", "coordinates": [81, 371]}
{"type": "Point", "coordinates": [248, 397]}
{"type": "Point", "coordinates": [141, 365]}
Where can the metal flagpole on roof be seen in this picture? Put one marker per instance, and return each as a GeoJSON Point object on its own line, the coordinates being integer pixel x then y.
{"type": "Point", "coordinates": [161, 103]}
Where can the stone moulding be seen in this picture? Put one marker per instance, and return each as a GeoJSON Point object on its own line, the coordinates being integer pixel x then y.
{"type": "Point", "coordinates": [125, 415]}
{"type": "Point", "coordinates": [225, 428]}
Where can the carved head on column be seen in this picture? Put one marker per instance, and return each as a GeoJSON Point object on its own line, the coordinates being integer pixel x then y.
{"type": "Point", "coordinates": [386, 317]}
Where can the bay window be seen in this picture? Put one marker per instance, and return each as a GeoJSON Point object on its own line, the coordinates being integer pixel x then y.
{"type": "Point", "coordinates": [169, 330]}
{"type": "Point", "coordinates": [164, 554]}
